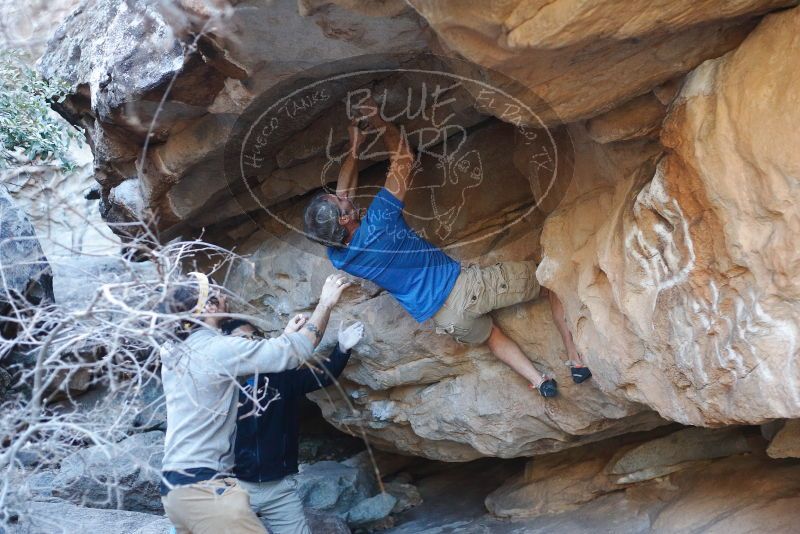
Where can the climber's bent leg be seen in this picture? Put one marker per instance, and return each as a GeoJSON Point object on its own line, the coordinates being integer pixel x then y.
{"type": "Point", "coordinates": [464, 315]}
{"type": "Point", "coordinates": [580, 373]}
{"type": "Point", "coordinates": [507, 351]}
{"type": "Point", "coordinates": [481, 329]}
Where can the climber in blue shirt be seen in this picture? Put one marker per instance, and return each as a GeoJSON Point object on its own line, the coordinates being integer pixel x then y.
{"type": "Point", "coordinates": [380, 246]}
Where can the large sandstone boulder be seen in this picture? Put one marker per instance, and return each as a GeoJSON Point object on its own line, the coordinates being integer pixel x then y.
{"type": "Point", "coordinates": [555, 483]}
{"type": "Point", "coordinates": [677, 451]}
{"type": "Point", "coordinates": [567, 480]}
{"type": "Point", "coordinates": [413, 391]}
{"type": "Point", "coordinates": [684, 296]}
{"type": "Point", "coordinates": [158, 97]}
{"type": "Point", "coordinates": [584, 58]}
{"type": "Point", "coordinates": [742, 493]}
{"type": "Point", "coordinates": [158, 135]}
{"type": "Point", "coordinates": [668, 231]}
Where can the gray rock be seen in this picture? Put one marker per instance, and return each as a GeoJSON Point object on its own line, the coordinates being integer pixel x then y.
{"type": "Point", "coordinates": [371, 510]}
{"type": "Point", "coordinates": [123, 475]}
{"type": "Point", "coordinates": [116, 411]}
{"type": "Point", "coordinates": [333, 487]}
{"type": "Point", "coordinates": [139, 50]}
{"type": "Point", "coordinates": [386, 463]}
{"type": "Point", "coordinates": [67, 518]}
{"type": "Point", "coordinates": [407, 496]}
{"type": "Point", "coordinates": [163, 526]}
{"type": "Point", "coordinates": [325, 523]}
{"type": "Point", "coordinates": [29, 458]}
{"type": "Point", "coordinates": [361, 461]}
{"type": "Point", "coordinates": [770, 430]}
{"type": "Point", "coordinates": [24, 266]}
{"type": "Point", "coordinates": [403, 478]}
{"type": "Point", "coordinates": [676, 451]}
{"type": "Point", "coordinates": [153, 414]}
{"type": "Point", "coordinates": [40, 485]}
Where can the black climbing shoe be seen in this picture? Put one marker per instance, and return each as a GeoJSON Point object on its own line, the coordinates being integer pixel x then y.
{"type": "Point", "coordinates": [548, 388]}
{"type": "Point", "coordinates": [580, 374]}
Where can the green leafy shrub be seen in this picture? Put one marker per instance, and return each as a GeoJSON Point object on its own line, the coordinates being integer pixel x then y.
{"type": "Point", "coordinates": [29, 131]}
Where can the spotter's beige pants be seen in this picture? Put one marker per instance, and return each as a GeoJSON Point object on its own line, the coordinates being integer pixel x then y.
{"type": "Point", "coordinates": [212, 507]}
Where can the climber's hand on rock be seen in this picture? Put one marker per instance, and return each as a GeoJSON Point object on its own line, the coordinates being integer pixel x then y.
{"type": "Point", "coordinates": [370, 111]}
{"type": "Point", "coordinates": [350, 336]}
{"type": "Point", "coordinates": [334, 286]}
{"type": "Point", "coordinates": [295, 324]}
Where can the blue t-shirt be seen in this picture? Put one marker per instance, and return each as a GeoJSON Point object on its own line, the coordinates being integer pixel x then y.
{"type": "Point", "coordinates": [388, 252]}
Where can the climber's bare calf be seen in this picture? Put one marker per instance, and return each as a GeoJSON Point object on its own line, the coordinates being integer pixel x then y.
{"type": "Point", "coordinates": [580, 373]}
{"type": "Point", "coordinates": [422, 278]}
{"type": "Point", "coordinates": [507, 351]}
{"type": "Point", "coordinates": [479, 291]}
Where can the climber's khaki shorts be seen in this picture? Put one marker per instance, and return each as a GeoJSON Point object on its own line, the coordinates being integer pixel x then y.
{"type": "Point", "coordinates": [478, 291]}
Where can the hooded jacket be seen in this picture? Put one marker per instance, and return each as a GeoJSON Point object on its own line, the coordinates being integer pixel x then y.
{"type": "Point", "coordinates": [267, 443]}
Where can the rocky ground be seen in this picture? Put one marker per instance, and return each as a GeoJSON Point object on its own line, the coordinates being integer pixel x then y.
{"type": "Point", "coordinates": [672, 479]}
{"type": "Point", "coordinates": [116, 485]}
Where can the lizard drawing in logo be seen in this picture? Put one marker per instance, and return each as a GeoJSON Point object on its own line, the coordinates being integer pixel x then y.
{"type": "Point", "coordinates": [464, 172]}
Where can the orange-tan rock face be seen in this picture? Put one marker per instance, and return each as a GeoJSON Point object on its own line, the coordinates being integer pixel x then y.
{"type": "Point", "coordinates": [709, 480]}
{"type": "Point", "coordinates": [684, 297]}
{"type": "Point", "coordinates": [410, 390]}
{"type": "Point", "coordinates": [583, 58]}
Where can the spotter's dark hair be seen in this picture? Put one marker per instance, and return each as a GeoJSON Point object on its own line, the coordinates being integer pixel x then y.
{"type": "Point", "coordinates": [179, 299]}
{"type": "Point", "coordinates": [230, 325]}
{"type": "Point", "coordinates": [182, 298]}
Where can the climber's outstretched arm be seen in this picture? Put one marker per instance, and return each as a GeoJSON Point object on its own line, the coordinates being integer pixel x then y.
{"type": "Point", "coordinates": [348, 174]}
{"type": "Point", "coordinates": [401, 155]}
{"type": "Point", "coordinates": [401, 161]}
